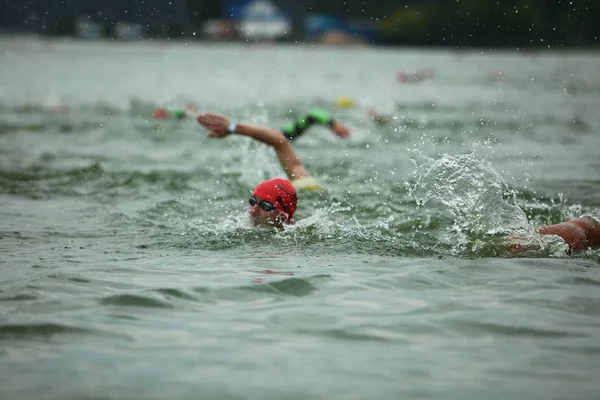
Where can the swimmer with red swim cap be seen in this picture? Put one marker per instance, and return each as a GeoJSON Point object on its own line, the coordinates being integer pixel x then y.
{"type": "Point", "coordinates": [273, 202]}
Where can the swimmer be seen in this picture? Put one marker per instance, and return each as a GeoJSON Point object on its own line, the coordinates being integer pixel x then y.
{"type": "Point", "coordinates": [293, 130]}
{"type": "Point", "coordinates": [187, 112]}
{"type": "Point", "coordinates": [377, 117]}
{"type": "Point", "coordinates": [273, 202]}
{"type": "Point", "coordinates": [417, 76]}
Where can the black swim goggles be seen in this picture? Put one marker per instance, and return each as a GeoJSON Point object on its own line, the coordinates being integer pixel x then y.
{"type": "Point", "coordinates": [265, 205]}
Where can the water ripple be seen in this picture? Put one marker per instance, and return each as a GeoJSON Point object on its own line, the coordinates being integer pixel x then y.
{"type": "Point", "coordinates": [135, 300]}
{"type": "Point", "coordinates": [40, 330]}
{"type": "Point", "coordinates": [472, 327]}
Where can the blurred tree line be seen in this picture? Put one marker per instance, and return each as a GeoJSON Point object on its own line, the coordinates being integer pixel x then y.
{"type": "Point", "coordinates": [458, 23]}
{"type": "Point", "coordinates": [455, 23]}
{"type": "Point", "coordinates": [514, 23]}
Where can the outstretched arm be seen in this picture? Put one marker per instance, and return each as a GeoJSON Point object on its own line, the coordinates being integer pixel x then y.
{"type": "Point", "coordinates": [300, 125]}
{"type": "Point", "coordinates": [221, 126]}
{"type": "Point", "coordinates": [579, 234]}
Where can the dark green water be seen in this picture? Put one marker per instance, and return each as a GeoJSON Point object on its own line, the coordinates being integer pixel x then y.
{"type": "Point", "coordinates": [129, 270]}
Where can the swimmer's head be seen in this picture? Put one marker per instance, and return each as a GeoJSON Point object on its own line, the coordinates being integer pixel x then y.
{"type": "Point", "coordinates": [273, 203]}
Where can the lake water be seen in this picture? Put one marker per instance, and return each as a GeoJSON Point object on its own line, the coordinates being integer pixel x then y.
{"type": "Point", "coordinates": [129, 269]}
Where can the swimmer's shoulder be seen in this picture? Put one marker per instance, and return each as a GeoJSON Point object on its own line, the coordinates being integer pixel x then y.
{"type": "Point", "coordinates": [307, 184]}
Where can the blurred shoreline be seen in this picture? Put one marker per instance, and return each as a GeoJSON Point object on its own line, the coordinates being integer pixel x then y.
{"type": "Point", "coordinates": [187, 41]}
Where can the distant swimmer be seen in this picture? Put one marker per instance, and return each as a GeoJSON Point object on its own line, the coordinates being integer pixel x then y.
{"type": "Point", "coordinates": [377, 117]}
{"type": "Point", "coordinates": [579, 234]}
{"type": "Point", "coordinates": [187, 112]}
{"type": "Point", "coordinates": [294, 129]}
{"type": "Point", "coordinates": [291, 131]}
{"type": "Point", "coordinates": [273, 202]}
{"type": "Point", "coordinates": [417, 76]}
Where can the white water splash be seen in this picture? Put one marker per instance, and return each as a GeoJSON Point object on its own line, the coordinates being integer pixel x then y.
{"type": "Point", "coordinates": [474, 193]}
{"type": "Point", "coordinates": [320, 221]}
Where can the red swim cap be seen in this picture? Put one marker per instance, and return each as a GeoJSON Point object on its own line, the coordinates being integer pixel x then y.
{"type": "Point", "coordinates": [281, 193]}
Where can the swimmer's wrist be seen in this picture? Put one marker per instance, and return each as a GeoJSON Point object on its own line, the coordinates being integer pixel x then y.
{"type": "Point", "coordinates": [232, 126]}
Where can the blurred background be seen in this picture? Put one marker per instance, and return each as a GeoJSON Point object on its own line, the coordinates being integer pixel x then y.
{"type": "Point", "coordinates": [509, 23]}
{"type": "Point", "coordinates": [129, 269]}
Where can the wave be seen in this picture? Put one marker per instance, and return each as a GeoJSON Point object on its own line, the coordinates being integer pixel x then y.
{"type": "Point", "coordinates": [44, 181]}
{"type": "Point", "coordinates": [43, 330]}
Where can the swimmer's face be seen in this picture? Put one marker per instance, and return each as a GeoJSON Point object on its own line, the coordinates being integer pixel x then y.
{"type": "Point", "coordinates": [263, 213]}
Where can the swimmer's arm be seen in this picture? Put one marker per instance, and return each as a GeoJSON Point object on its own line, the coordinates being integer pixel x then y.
{"type": "Point", "coordinates": [321, 117]}
{"type": "Point", "coordinates": [220, 126]}
{"type": "Point", "coordinates": [294, 130]}
{"type": "Point", "coordinates": [285, 153]}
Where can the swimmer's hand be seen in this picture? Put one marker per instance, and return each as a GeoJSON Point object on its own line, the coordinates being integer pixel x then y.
{"type": "Point", "coordinates": [521, 243]}
{"type": "Point", "coordinates": [340, 129]}
{"type": "Point", "coordinates": [215, 123]}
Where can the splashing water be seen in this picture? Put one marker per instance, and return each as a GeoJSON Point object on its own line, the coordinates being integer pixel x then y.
{"type": "Point", "coordinates": [473, 191]}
